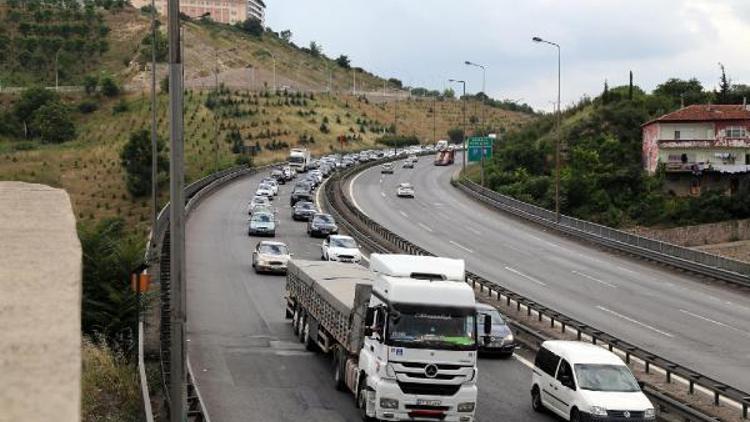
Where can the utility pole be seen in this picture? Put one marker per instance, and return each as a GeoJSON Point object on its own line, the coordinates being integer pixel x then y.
{"type": "Point", "coordinates": [434, 119]}
{"type": "Point", "coordinates": [57, 73]}
{"type": "Point", "coordinates": [178, 317]}
{"type": "Point", "coordinates": [154, 149]}
{"type": "Point", "coordinates": [354, 82]}
{"type": "Point", "coordinates": [216, 87]}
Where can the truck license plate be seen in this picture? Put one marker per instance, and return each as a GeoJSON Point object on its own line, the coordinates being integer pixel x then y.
{"type": "Point", "coordinates": [421, 402]}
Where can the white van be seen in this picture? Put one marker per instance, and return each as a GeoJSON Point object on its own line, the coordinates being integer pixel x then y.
{"type": "Point", "coordinates": [583, 382]}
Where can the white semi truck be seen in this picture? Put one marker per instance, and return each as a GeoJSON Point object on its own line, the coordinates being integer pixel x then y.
{"type": "Point", "coordinates": [403, 334]}
{"type": "Point", "coordinates": [299, 159]}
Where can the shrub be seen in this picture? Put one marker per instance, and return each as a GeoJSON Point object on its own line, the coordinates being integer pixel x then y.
{"type": "Point", "coordinates": [110, 87]}
{"type": "Point", "coordinates": [87, 106]}
{"type": "Point", "coordinates": [54, 124]}
{"type": "Point", "coordinates": [135, 159]}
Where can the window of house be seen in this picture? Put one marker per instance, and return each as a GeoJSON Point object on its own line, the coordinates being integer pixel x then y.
{"type": "Point", "coordinates": [676, 134]}
{"type": "Point", "coordinates": [735, 132]}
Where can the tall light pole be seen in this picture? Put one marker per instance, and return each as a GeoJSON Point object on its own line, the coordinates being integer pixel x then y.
{"type": "Point", "coordinates": [274, 66]}
{"type": "Point", "coordinates": [154, 149]}
{"type": "Point", "coordinates": [57, 73]}
{"type": "Point", "coordinates": [559, 118]}
{"type": "Point", "coordinates": [463, 137]}
{"type": "Point", "coordinates": [484, 81]}
{"type": "Point", "coordinates": [178, 317]}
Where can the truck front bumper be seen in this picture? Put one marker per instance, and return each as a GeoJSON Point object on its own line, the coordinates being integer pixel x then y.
{"type": "Point", "coordinates": [422, 407]}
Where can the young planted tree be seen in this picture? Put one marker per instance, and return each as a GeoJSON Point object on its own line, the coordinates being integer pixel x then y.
{"type": "Point", "coordinates": [53, 123]}
{"type": "Point", "coordinates": [136, 160]}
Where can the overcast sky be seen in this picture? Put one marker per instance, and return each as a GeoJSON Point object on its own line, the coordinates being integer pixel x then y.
{"type": "Point", "coordinates": [425, 42]}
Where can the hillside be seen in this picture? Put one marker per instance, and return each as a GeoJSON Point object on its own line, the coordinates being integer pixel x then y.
{"type": "Point", "coordinates": [89, 167]}
{"type": "Point", "coordinates": [602, 178]}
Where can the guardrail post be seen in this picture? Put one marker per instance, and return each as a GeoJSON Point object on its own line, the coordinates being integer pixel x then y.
{"type": "Point", "coordinates": [745, 403]}
{"type": "Point", "coordinates": [648, 367]}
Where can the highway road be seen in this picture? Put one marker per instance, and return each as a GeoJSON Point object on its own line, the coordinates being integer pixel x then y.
{"type": "Point", "coordinates": [673, 314]}
{"type": "Point", "coordinates": [247, 363]}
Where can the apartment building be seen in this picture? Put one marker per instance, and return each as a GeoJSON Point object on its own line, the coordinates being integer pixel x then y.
{"type": "Point", "coordinates": [223, 11]}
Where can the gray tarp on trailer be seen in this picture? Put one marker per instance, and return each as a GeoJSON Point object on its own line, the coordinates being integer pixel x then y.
{"type": "Point", "coordinates": [333, 293]}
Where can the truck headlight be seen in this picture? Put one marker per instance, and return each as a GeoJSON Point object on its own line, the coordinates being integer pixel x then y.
{"type": "Point", "coordinates": [508, 338]}
{"type": "Point", "coordinates": [598, 411]}
{"type": "Point", "coordinates": [387, 403]}
{"type": "Point", "coordinates": [650, 413]}
{"type": "Point", "coordinates": [465, 407]}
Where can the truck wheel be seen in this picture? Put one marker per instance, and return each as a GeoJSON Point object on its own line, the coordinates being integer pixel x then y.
{"type": "Point", "coordinates": [339, 370]}
{"type": "Point", "coordinates": [306, 339]}
{"type": "Point", "coordinates": [362, 405]}
{"type": "Point", "coordinates": [295, 321]}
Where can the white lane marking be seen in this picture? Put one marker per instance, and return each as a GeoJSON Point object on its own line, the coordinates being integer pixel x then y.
{"type": "Point", "coordinates": [403, 213]}
{"type": "Point", "coordinates": [713, 321]}
{"type": "Point", "coordinates": [458, 245]}
{"type": "Point", "coordinates": [628, 270]}
{"type": "Point", "coordinates": [528, 277]}
{"type": "Point", "coordinates": [426, 227]}
{"type": "Point", "coordinates": [634, 321]}
{"type": "Point", "coordinates": [524, 361]}
{"type": "Point", "coordinates": [473, 230]}
{"type": "Point", "coordinates": [594, 279]}
{"type": "Point", "coordinates": [382, 194]}
{"type": "Point", "coordinates": [351, 192]}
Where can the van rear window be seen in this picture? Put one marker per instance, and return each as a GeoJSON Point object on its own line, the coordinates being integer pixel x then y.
{"type": "Point", "coordinates": [546, 361]}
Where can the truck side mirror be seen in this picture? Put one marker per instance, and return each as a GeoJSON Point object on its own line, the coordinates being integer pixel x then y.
{"type": "Point", "coordinates": [487, 325]}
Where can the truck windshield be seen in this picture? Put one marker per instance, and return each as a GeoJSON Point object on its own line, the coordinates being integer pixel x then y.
{"type": "Point", "coordinates": [433, 329]}
{"type": "Point", "coordinates": [296, 159]}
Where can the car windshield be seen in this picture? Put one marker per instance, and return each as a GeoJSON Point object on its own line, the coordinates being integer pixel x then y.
{"type": "Point", "coordinates": [344, 242]}
{"type": "Point", "coordinates": [616, 378]}
{"type": "Point", "coordinates": [272, 249]}
{"type": "Point", "coordinates": [497, 319]}
{"type": "Point", "coordinates": [306, 206]}
{"type": "Point", "coordinates": [432, 328]}
{"type": "Point", "coordinates": [262, 218]}
{"type": "Point", "coordinates": [324, 219]}
{"type": "Point", "coordinates": [405, 186]}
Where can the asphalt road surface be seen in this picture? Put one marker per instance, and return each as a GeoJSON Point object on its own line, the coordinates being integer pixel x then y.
{"type": "Point", "coordinates": [673, 314]}
{"type": "Point", "coordinates": [247, 363]}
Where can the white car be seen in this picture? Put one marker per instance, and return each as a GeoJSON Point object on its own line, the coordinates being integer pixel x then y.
{"type": "Point", "coordinates": [340, 248]}
{"type": "Point", "coordinates": [582, 382]}
{"type": "Point", "coordinates": [271, 183]}
{"type": "Point", "coordinates": [405, 190]}
{"type": "Point", "coordinates": [264, 190]}
{"type": "Point", "coordinates": [269, 256]}
{"type": "Point", "coordinates": [257, 200]}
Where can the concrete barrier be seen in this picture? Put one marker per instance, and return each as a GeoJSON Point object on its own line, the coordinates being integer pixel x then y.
{"type": "Point", "coordinates": [40, 305]}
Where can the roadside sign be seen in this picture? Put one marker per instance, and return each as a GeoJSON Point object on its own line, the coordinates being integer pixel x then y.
{"type": "Point", "coordinates": [478, 147]}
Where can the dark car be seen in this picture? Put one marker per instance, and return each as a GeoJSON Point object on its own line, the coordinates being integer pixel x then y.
{"type": "Point", "coordinates": [500, 341]}
{"type": "Point", "coordinates": [304, 185]}
{"type": "Point", "coordinates": [300, 195]}
{"type": "Point", "coordinates": [321, 225]}
{"type": "Point", "coordinates": [303, 210]}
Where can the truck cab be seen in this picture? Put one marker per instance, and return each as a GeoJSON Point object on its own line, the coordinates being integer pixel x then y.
{"type": "Point", "coordinates": [418, 361]}
{"type": "Point", "coordinates": [299, 159]}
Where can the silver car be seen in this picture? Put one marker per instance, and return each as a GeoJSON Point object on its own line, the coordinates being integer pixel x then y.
{"type": "Point", "coordinates": [269, 256]}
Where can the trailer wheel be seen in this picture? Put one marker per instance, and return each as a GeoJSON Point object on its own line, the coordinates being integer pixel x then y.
{"type": "Point", "coordinates": [295, 321]}
{"type": "Point", "coordinates": [339, 370]}
{"type": "Point", "coordinates": [306, 339]}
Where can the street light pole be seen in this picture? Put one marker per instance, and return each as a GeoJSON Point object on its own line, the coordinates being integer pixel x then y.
{"type": "Point", "coordinates": [57, 73]}
{"type": "Point", "coordinates": [559, 123]}
{"type": "Point", "coordinates": [463, 136]}
{"type": "Point", "coordinates": [178, 317]}
{"type": "Point", "coordinates": [154, 149]}
{"type": "Point", "coordinates": [484, 80]}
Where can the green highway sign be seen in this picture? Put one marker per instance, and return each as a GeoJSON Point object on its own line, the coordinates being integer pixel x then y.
{"type": "Point", "coordinates": [478, 147]}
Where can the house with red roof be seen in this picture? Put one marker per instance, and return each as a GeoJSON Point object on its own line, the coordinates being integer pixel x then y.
{"type": "Point", "coordinates": [700, 147]}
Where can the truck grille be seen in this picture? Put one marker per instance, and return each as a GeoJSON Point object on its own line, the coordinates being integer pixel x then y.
{"type": "Point", "coordinates": [428, 389]}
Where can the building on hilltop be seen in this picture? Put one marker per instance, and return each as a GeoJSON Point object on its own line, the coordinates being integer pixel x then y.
{"type": "Point", "coordinates": [222, 11]}
{"type": "Point", "coordinates": [700, 147]}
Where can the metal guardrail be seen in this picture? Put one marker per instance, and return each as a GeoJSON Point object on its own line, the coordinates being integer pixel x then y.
{"type": "Point", "coordinates": [700, 262]}
{"type": "Point", "coordinates": [148, 413]}
{"type": "Point", "coordinates": [158, 260]}
{"type": "Point", "coordinates": [381, 239]}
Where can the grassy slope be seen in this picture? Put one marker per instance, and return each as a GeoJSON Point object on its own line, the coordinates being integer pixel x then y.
{"type": "Point", "coordinates": [89, 169]}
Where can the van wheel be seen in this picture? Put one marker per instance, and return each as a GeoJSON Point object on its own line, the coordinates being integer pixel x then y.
{"type": "Point", "coordinates": [575, 416]}
{"type": "Point", "coordinates": [536, 400]}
